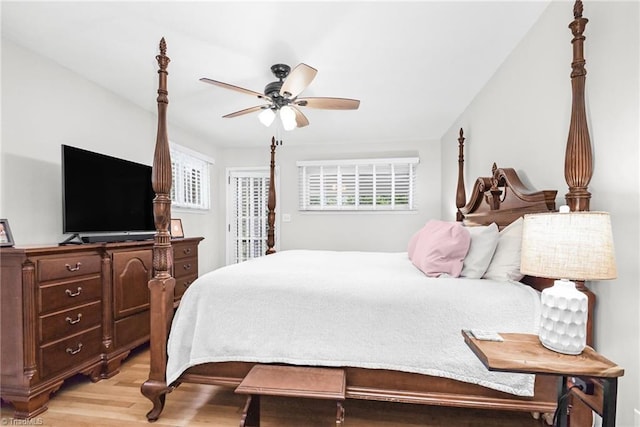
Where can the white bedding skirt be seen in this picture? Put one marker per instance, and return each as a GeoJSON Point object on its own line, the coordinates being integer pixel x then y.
{"type": "Point", "coordinates": [353, 309]}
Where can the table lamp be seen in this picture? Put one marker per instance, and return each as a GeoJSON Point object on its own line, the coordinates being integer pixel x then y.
{"type": "Point", "coordinates": [566, 246]}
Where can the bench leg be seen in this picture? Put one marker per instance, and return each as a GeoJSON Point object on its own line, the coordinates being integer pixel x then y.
{"type": "Point", "coordinates": [339, 414]}
{"type": "Point", "coordinates": [251, 412]}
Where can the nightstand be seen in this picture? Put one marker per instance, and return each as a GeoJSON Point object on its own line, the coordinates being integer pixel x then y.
{"type": "Point", "coordinates": [523, 353]}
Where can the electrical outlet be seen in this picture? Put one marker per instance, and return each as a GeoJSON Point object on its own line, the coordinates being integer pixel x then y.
{"type": "Point", "coordinates": [586, 386]}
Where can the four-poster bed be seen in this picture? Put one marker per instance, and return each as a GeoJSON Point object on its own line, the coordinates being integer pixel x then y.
{"type": "Point", "coordinates": [500, 198]}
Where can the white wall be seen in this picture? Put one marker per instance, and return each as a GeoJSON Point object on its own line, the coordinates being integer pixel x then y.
{"type": "Point", "coordinates": [44, 106]}
{"type": "Point", "coordinates": [363, 231]}
{"type": "Point", "coordinates": [521, 120]}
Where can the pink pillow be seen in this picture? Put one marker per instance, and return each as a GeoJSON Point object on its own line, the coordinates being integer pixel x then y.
{"type": "Point", "coordinates": [441, 247]}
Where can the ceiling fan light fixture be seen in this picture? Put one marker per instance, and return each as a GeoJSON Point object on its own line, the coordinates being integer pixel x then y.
{"type": "Point", "coordinates": [266, 117]}
{"type": "Point", "coordinates": [288, 117]}
{"type": "Point", "coordinates": [282, 95]}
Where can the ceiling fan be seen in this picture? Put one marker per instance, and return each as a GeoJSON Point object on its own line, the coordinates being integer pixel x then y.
{"type": "Point", "coordinates": [282, 96]}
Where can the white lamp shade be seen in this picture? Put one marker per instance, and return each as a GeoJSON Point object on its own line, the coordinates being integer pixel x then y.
{"type": "Point", "coordinates": [266, 117]}
{"type": "Point", "coordinates": [288, 117]}
{"type": "Point", "coordinates": [574, 245]}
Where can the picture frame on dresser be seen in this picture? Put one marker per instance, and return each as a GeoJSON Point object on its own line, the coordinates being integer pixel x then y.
{"type": "Point", "coordinates": [6, 238]}
{"type": "Point", "coordinates": [176, 228]}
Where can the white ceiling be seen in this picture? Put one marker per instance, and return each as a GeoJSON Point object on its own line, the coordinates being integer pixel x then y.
{"type": "Point", "coordinates": [415, 65]}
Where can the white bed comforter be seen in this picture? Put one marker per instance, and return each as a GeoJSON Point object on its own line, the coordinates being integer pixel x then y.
{"type": "Point", "coordinates": [359, 309]}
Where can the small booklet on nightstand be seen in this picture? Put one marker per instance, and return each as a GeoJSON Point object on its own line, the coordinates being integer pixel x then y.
{"type": "Point", "coordinates": [484, 335]}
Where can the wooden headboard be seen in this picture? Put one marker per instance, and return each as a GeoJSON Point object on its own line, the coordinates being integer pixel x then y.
{"type": "Point", "coordinates": [502, 198]}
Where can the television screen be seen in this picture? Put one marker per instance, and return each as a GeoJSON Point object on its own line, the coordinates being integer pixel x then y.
{"type": "Point", "coordinates": [103, 194]}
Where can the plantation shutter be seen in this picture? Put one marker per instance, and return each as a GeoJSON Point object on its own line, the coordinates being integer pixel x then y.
{"type": "Point", "coordinates": [362, 184]}
{"type": "Point", "coordinates": [190, 179]}
{"type": "Point", "coordinates": [248, 225]}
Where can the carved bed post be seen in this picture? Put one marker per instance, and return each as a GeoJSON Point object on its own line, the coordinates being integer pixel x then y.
{"type": "Point", "coordinates": [271, 218]}
{"type": "Point", "coordinates": [461, 197]}
{"type": "Point", "coordinates": [578, 164]}
{"type": "Point", "coordinates": [161, 286]}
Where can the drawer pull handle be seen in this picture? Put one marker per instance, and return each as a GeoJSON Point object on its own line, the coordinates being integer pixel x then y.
{"type": "Point", "coordinates": [187, 283]}
{"type": "Point", "coordinates": [187, 266]}
{"type": "Point", "coordinates": [76, 268]}
{"type": "Point", "coordinates": [74, 321]}
{"type": "Point", "coordinates": [186, 251]}
{"type": "Point", "coordinates": [73, 294]}
{"type": "Point", "coordinates": [76, 351]}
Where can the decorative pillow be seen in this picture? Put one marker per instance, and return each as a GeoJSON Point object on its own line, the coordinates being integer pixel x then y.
{"type": "Point", "coordinates": [484, 240]}
{"type": "Point", "coordinates": [440, 248]}
{"type": "Point", "coordinates": [505, 264]}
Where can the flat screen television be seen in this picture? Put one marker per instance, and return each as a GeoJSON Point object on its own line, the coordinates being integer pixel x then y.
{"type": "Point", "coordinates": [105, 195]}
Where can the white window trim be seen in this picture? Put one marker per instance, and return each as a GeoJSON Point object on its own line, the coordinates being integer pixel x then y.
{"type": "Point", "coordinates": [352, 162]}
{"type": "Point", "coordinates": [205, 162]}
{"type": "Point", "coordinates": [303, 190]}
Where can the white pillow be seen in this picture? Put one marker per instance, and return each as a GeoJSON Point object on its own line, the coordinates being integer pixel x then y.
{"type": "Point", "coordinates": [484, 240]}
{"type": "Point", "coordinates": [505, 264]}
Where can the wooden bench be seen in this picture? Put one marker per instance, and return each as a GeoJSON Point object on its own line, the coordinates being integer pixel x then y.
{"type": "Point", "coordinates": [290, 381]}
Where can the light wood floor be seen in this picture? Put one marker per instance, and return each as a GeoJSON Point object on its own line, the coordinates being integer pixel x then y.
{"type": "Point", "coordinates": [117, 402]}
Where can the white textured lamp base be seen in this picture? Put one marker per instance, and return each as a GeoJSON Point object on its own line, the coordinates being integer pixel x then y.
{"type": "Point", "coordinates": [564, 318]}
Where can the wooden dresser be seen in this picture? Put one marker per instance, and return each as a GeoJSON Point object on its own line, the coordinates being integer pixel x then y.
{"type": "Point", "coordinates": [75, 309]}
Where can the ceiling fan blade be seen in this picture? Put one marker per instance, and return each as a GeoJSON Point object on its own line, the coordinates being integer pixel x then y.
{"type": "Point", "coordinates": [236, 88]}
{"type": "Point", "coordinates": [329, 103]}
{"type": "Point", "coordinates": [299, 78]}
{"type": "Point", "coordinates": [301, 119]}
{"type": "Point", "coordinates": [245, 111]}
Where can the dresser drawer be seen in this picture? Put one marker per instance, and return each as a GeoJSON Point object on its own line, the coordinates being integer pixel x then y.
{"type": "Point", "coordinates": [69, 322]}
{"type": "Point", "coordinates": [185, 267]}
{"type": "Point", "coordinates": [69, 266]}
{"type": "Point", "coordinates": [184, 250]}
{"type": "Point", "coordinates": [70, 352]}
{"type": "Point", "coordinates": [182, 283]}
{"type": "Point", "coordinates": [68, 294]}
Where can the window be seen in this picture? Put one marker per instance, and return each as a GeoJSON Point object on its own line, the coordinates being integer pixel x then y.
{"type": "Point", "coordinates": [190, 178]}
{"type": "Point", "coordinates": [365, 184]}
